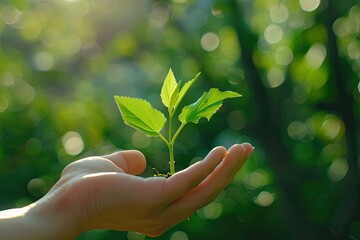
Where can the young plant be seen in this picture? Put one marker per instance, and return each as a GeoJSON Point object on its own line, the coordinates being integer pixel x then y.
{"type": "Point", "coordinates": [140, 115]}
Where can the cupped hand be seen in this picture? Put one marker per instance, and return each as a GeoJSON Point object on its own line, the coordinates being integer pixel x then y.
{"type": "Point", "coordinates": [105, 193]}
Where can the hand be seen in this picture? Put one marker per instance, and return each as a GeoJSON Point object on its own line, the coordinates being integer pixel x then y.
{"type": "Point", "coordinates": [102, 192]}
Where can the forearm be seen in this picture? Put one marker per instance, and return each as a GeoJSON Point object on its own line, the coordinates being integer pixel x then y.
{"type": "Point", "coordinates": [32, 222]}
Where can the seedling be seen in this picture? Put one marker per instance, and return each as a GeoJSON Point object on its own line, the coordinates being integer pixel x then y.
{"type": "Point", "coordinates": [140, 115]}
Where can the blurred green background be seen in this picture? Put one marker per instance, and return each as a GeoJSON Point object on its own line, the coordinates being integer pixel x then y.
{"type": "Point", "coordinates": [296, 62]}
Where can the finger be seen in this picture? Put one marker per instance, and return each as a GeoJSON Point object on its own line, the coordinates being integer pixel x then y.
{"type": "Point", "coordinates": [248, 149]}
{"type": "Point", "coordinates": [131, 161]}
{"type": "Point", "coordinates": [184, 180]}
{"type": "Point", "coordinates": [223, 174]}
{"type": "Point", "coordinates": [208, 189]}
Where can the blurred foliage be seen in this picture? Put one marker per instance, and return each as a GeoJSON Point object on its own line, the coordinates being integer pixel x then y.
{"type": "Point", "coordinates": [296, 62]}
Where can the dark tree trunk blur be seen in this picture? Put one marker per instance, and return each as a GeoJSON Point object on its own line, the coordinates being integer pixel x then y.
{"type": "Point", "coordinates": [340, 77]}
{"type": "Point", "coordinates": [268, 130]}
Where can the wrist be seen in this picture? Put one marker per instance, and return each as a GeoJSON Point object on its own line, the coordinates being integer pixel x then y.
{"type": "Point", "coordinates": [35, 221]}
{"type": "Point", "coordinates": [52, 223]}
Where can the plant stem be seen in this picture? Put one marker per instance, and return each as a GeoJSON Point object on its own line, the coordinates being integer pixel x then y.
{"type": "Point", "coordinates": [172, 160]}
{"type": "Point", "coordinates": [171, 149]}
{"type": "Point", "coordinates": [171, 145]}
{"type": "Point", "coordinates": [172, 141]}
{"type": "Point", "coordinates": [170, 124]}
{"type": "Point", "coordinates": [164, 139]}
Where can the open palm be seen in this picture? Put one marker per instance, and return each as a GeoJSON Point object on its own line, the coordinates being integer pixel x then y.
{"type": "Point", "coordinates": [104, 192]}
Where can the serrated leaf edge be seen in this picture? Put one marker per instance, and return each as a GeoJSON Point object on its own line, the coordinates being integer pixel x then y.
{"type": "Point", "coordinates": [146, 131]}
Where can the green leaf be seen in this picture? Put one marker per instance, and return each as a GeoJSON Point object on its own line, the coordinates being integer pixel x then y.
{"type": "Point", "coordinates": [175, 97]}
{"type": "Point", "coordinates": [168, 89]}
{"type": "Point", "coordinates": [205, 106]}
{"type": "Point", "coordinates": [140, 115]}
{"type": "Point", "coordinates": [184, 90]}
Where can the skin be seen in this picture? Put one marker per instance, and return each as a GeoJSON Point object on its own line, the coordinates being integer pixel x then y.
{"type": "Point", "coordinates": [105, 193]}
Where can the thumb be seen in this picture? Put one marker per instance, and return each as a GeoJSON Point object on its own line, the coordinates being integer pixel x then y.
{"type": "Point", "coordinates": [131, 161]}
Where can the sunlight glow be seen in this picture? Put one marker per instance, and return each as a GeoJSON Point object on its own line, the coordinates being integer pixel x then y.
{"type": "Point", "coordinates": [338, 169]}
{"type": "Point", "coordinates": [210, 41]}
{"type": "Point", "coordinates": [309, 5]}
{"type": "Point", "coordinates": [354, 14]}
{"type": "Point", "coordinates": [44, 61]}
{"type": "Point", "coordinates": [16, 212]}
{"type": "Point", "coordinates": [25, 93]}
{"type": "Point", "coordinates": [316, 55]}
{"type": "Point", "coordinates": [139, 140]}
{"type": "Point", "coordinates": [99, 174]}
{"type": "Point", "coordinates": [179, 235]}
{"type": "Point", "coordinates": [256, 180]}
{"type": "Point", "coordinates": [211, 211]}
{"type": "Point", "coordinates": [353, 50]}
{"type": "Point", "coordinates": [275, 77]}
{"type": "Point", "coordinates": [216, 12]}
{"type": "Point", "coordinates": [283, 55]}
{"type": "Point", "coordinates": [343, 26]}
{"type": "Point", "coordinates": [279, 13]}
{"type": "Point", "coordinates": [9, 14]}
{"type": "Point", "coordinates": [297, 130]}
{"type": "Point", "coordinates": [264, 199]}
{"type": "Point", "coordinates": [73, 143]}
{"type": "Point", "coordinates": [273, 34]}
{"type": "Point", "coordinates": [331, 127]}
{"type": "Point", "coordinates": [159, 16]}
